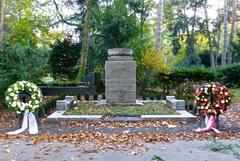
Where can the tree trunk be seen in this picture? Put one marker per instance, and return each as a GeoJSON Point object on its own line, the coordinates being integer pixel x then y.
{"type": "Point", "coordinates": [159, 25]}
{"type": "Point", "coordinates": [224, 52]}
{"type": "Point", "coordinates": [218, 35]}
{"type": "Point", "coordinates": [84, 50]}
{"type": "Point", "coordinates": [209, 36]}
{"type": "Point", "coordinates": [233, 27]}
{"type": "Point", "coordinates": [218, 41]}
{"type": "Point", "coordinates": [2, 6]}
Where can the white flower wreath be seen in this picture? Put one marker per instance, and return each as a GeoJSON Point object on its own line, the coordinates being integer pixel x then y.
{"type": "Point", "coordinates": [13, 101]}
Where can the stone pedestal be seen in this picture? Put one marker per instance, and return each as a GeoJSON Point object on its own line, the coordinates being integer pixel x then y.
{"type": "Point", "coordinates": [120, 77]}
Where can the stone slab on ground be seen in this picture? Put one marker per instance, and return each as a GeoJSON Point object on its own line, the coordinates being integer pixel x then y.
{"type": "Point", "coordinates": [177, 151]}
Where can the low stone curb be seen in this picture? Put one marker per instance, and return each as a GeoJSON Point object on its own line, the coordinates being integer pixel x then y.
{"type": "Point", "coordinates": [59, 116]}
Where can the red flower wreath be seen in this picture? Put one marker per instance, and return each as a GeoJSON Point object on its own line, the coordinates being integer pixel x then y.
{"type": "Point", "coordinates": [212, 98]}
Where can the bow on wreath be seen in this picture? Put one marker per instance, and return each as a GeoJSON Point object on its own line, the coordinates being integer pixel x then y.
{"type": "Point", "coordinates": [28, 119]}
{"type": "Point", "coordinates": [210, 124]}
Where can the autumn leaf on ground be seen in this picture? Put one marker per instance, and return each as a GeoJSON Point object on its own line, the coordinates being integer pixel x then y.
{"type": "Point", "coordinates": [169, 125]}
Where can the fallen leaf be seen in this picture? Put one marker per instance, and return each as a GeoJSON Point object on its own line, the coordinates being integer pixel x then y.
{"type": "Point", "coordinates": [133, 153]}
{"type": "Point", "coordinates": [126, 132]}
{"type": "Point", "coordinates": [7, 150]}
{"type": "Point", "coordinates": [5, 146]}
{"type": "Point", "coordinates": [171, 126]}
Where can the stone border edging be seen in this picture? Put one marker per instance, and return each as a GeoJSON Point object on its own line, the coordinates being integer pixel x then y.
{"type": "Point", "coordinates": [59, 116]}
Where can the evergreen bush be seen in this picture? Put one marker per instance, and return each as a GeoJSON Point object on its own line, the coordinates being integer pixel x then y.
{"type": "Point", "coordinates": [64, 59]}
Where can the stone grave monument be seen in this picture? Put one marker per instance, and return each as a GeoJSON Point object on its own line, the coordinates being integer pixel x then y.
{"type": "Point", "coordinates": [120, 77]}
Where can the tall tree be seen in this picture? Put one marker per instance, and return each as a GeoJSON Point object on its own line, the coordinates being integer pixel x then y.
{"type": "Point", "coordinates": [209, 35]}
{"type": "Point", "coordinates": [218, 33]}
{"type": "Point", "coordinates": [224, 52]}
{"type": "Point", "coordinates": [85, 45]}
{"type": "Point", "coordinates": [159, 25]}
{"type": "Point", "coordinates": [2, 6]}
{"type": "Point", "coordinates": [233, 28]}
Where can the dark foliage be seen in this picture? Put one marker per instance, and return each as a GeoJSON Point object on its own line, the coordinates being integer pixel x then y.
{"type": "Point", "coordinates": [229, 75]}
{"type": "Point", "coordinates": [64, 59]}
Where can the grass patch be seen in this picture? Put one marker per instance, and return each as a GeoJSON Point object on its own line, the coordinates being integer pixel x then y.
{"type": "Point", "coordinates": [235, 95]}
{"type": "Point", "coordinates": [151, 108]}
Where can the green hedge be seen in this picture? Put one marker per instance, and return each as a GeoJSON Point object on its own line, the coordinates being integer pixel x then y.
{"type": "Point", "coordinates": [194, 73]}
{"type": "Point", "coordinates": [229, 75]}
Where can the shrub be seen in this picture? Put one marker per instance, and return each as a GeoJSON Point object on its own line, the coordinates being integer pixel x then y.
{"type": "Point", "coordinates": [64, 59]}
{"type": "Point", "coordinates": [21, 63]}
{"type": "Point", "coordinates": [194, 73]}
{"type": "Point", "coordinates": [229, 75]}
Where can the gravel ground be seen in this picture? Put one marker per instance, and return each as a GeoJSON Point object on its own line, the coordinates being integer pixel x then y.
{"type": "Point", "coordinates": [177, 151]}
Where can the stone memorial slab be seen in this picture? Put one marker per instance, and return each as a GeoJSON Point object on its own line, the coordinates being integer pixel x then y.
{"type": "Point", "coordinates": [120, 77]}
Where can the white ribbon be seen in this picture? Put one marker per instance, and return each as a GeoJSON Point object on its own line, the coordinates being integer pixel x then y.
{"type": "Point", "coordinates": [28, 119]}
{"type": "Point", "coordinates": [210, 125]}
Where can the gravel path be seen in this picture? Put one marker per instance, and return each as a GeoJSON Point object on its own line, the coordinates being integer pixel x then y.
{"type": "Point", "coordinates": [177, 151]}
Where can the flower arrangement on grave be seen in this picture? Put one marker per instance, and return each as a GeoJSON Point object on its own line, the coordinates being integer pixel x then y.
{"type": "Point", "coordinates": [212, 99]}
{"type": "Point", "coordinates": [25, 105]}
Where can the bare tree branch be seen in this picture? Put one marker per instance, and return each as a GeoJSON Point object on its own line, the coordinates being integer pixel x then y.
{"type": "Point", "coordinates": [61, 18]}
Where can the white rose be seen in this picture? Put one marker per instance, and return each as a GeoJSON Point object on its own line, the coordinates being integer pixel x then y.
{"type": "Point", "coordinates": [7, 98]}
{"type": "Point", "coordinates": [216, 105]}
{"type": "Point", "coordinates": [14, 104]}
{"type": "Point", "coordinates": [9, 89]}
{"type": "Point", "coordinates": [37, 102]}
{"type": "Point", "coordinates": [226, 93]}
{"type": "Point", "coordinates": [22, 108]}
{"type": "Point", "coordinates": [15, 98]}
{"type": "Point", "coordinates": [15, 88]}
{"type": "Point", "coordinates": [12, 94]}
{"type": "Point", "coordinates": [19, 104]}
{"type": "Point", "coordinates": [222, 101]}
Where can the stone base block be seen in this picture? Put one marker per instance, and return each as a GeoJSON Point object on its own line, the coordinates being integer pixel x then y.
{"type": "Point", "coordinates": [62, 105]}
{"type": "Point", "coordinates": [176, 104]}
{"type": "Point", "coordinates": [170, 97]}
{"type": "Point", "coordinates": [70, 98]}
